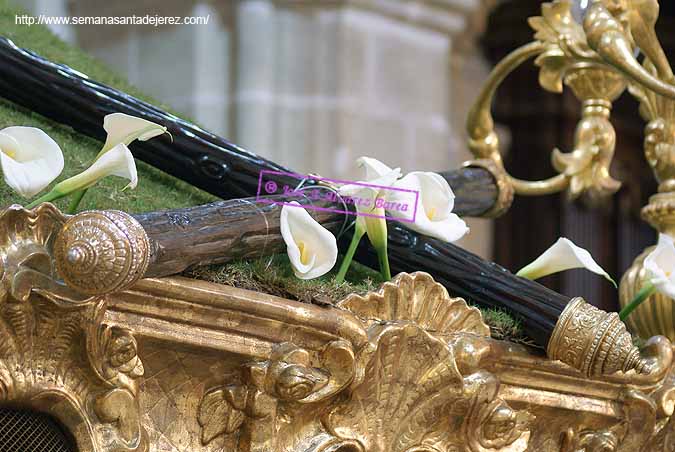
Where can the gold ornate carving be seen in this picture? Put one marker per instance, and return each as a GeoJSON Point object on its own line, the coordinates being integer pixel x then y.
{"type": "Point", "coordinates": [404, 369]}
{"type": "Point", "coordinates": [643, 321]}
{"type": "Point", "coordinates": [587, 167]}
{"type": "Point", "coordinates": [615, 28]}
{"type": "Point", "coordinates": [564, 56]}
{"type": "Point", "coordinates": [292, 377]}
{"type": "Point", "coordinates": [564, 44]}
{"type": "Point", "coordinates": [416, 385]}
{"type": "Point", "coordinates": [597, 59]}
{"type": "Point", "coordinates": [100, 252]}
{"type": "Point", "coordinates": [593, 341]}
{"type": "Point", "coordinates": [417, 298]}
{"type": "Point", "coordinates": [414, 388]}
{"type": "Point", "coordinates": [659, 146]}
{"type": "Point", "coordinates": [56, 352]}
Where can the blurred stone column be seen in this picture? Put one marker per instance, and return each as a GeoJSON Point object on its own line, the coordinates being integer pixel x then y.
{"type": "Point", "coordinates": [255, 69]}
{"type": "Point", "coordinates": [183, 66]}
{"type": "Point", "coordinates": [55, 8]}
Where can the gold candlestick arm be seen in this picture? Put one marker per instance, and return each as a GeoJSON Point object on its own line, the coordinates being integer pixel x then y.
{"type": "Point", "coordinates": [564, 58]}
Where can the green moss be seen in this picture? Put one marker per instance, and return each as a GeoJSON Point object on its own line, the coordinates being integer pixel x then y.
{"type": "Point", "coordinates": [156, 190]}
{"type": "Point", "coordinates": [504, 326]}
{"type": "Point", "coordinates": [273, 275]}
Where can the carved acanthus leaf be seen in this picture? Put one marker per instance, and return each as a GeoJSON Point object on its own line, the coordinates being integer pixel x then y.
{"type": "Point", "coordinates": [564, 40]}
{"type": "Point", "coordinates": [221, 412]}
{"type": "Point", "coordinates": [44, 327]}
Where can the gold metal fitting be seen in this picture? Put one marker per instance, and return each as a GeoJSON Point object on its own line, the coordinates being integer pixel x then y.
{"type": "Point", "coordinates": [593, 341]}
{"type": "Point", "coordinates": [99, 252]}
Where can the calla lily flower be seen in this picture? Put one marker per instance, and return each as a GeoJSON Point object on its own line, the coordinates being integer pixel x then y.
{"type": "Point", "coordinates": [377, 175]}
{"type": "Point", "coordinates": [433, 216]}
{"type": "Point", "coordinates": [312, 249]}
{"type": "Point", "coordinates": [371, 213]}
{"type": "Point", "coordinates": [30, 159]}
{"type": "Point", "coordinates": [123, 128]}
{"type": "Point", "coordinates": [117, 162]}
{"type": "Point", "coordinates": [659, 266]}
{"type": "Point", "coordinates": [563, 255]}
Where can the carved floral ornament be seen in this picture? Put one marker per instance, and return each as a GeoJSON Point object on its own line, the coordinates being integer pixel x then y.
{"type": "Point", "coordinates": [422, 375]}
{"type": "Point", "coordinates": [416, 380]}
{"type": "Point", "coordinates": [595, 56]}
{"type": "Point", "coordinates": [56, 354]}
{"type": "Point", "coordinates": [425, 377]}
{"type": "Point", "coordinates": [415, 386]}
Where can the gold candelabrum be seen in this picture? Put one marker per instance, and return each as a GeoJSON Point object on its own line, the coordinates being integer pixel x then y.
{"type": "Point", "coordinates": [596, 57]}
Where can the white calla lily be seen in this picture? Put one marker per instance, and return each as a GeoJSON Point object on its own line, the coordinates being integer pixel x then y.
{"type": "Point", "coordinates": [435, 201]}
{"type": "Point", "coordinates": [659, 266]}
{"type": "Point", "coordinates": [312, 249]}
{"type": "Point", "coordinates": [368, 197]}
{"type": "Point", "coordinates": [365, 195]}
{"type": "Point", "coordinates": [123, 128]}
{"type": "Point", "coordinates": [563, 255]}
{"type": "Point", "coordinates": [30, 159]}
{"type": "Point", "coordinates": [116, 162]}
{"type": "Point", "coordinates": [374, 168]}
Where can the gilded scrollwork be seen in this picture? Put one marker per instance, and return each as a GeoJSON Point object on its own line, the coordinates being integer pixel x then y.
{"type": "Point", "coordinates": [590, 441]}
{"type": "Point", "coordinates": [416, 385]}
{"type": "Point", "coordinates": [292, 377]}
{"type": "Point", "coordinates": [615, 29]}
{"type": "Point", "coordinates": [564, 44]}
{"type": "Point", "coordinates": [413, 390]}
{"type": "Point", "coordinates": [564, 57]}
{"type": "Point", "coordinates": [44, 362]}
{"type": "Point", "coordinates": [415, 371]}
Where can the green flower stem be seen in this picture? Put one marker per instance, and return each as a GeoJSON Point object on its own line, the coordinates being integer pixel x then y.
{"type": "Point", "coordinates": [641, 296]}
{"type": "Point", "coordinates": [384, 263]}
{"type": "Point", "coordinates": [64, 188]}
{"type": "Point", "coordinates": [49, 197]}
{"type": "Point", "coordinates": [75, 202]}
{"type": "Point", "coordinates": [346, 262]}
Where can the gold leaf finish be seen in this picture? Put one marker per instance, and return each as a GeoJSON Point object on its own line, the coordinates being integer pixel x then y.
{"type": "Point", "coordinates": [101, 252]}
{"type": "Point", "coordinates": [565, 58]}
{"type": "Point", "coordinates": [594, 341]}
{"type": "Point", "coordinates": [417, 298]}
{"type": "Point", "coordinates": [657, 314]}
{"type": "Point", "coordinates": [564, 41]}
{"type": "Point", "coordinates": [179, 365]}
{"type": "Point", "coordinates": [56, 352]}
